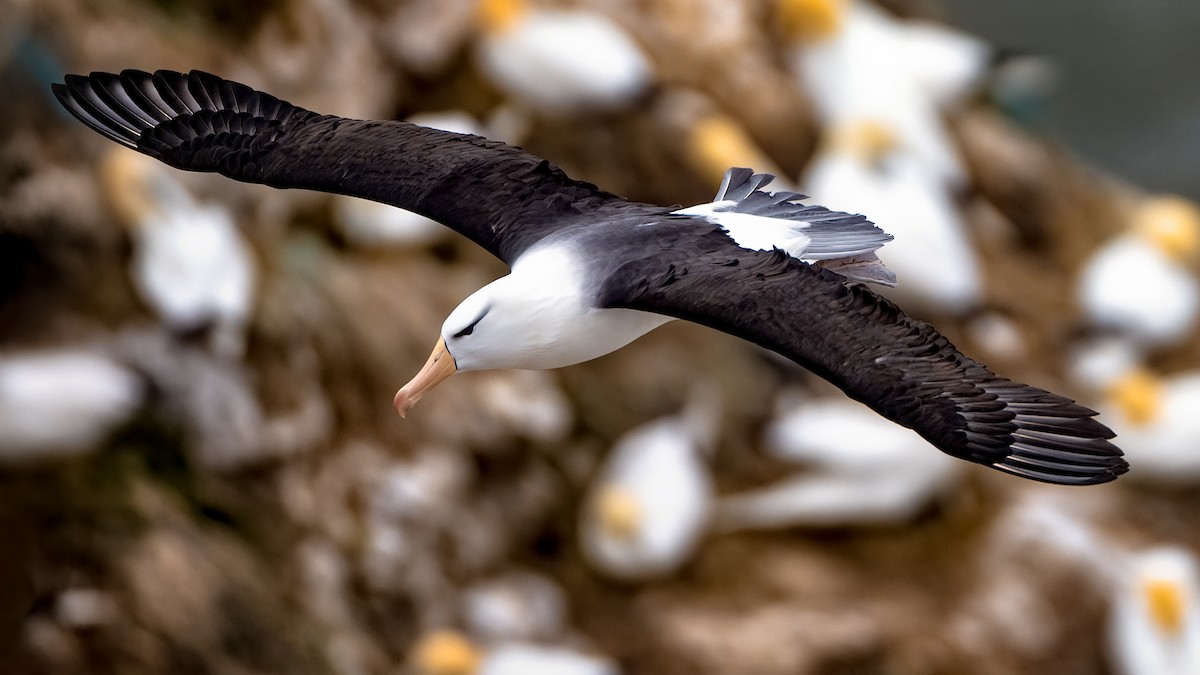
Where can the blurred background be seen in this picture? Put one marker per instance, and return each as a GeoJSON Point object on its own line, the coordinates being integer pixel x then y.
{"type": "Point", "coordinates": [201, 470]}
{"type": "Point", "coordinates": [1126, 98]}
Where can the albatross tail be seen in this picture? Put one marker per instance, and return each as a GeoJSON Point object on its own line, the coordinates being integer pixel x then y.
{"type": "Point", "coordinates": [760, 220]}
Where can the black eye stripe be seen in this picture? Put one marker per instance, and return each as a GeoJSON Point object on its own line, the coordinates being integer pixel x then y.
{"type": "Point", "coordinates": [471, 328]}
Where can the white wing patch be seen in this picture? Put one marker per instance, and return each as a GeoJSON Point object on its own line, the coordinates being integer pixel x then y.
{"type": "Point", "coordinates": [761, 221]}
{"type": "Point", "coordinates": [755, 232]}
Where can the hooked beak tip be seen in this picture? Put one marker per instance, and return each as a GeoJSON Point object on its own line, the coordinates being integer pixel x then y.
{"type": "Point", "coordinates": [403, 403]}
{"type": "Point", "coordinates": [439, 366]}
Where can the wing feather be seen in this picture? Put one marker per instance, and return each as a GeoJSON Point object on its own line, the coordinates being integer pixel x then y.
{"type": "Point", "coordinates": [501, 197]}
{"type": "Point", "coordinates": [902, 368]}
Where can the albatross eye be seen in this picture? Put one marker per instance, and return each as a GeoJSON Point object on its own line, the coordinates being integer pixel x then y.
{"type": "Point", "coordinates": [471, 327]}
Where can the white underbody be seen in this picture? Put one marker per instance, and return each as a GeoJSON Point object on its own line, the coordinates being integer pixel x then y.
{"type": "Point", "coordinates": [541, 316]}
{"type": "Point", "coordinates": [544, 314]}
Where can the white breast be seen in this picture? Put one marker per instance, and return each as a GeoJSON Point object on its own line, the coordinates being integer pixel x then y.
{"type": "Point", "coordinates": [542, 316]}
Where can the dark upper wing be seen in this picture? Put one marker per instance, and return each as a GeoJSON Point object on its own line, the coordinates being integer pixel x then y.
{"type": "Point", "coordinates": [899, 366]}
{"type": "Point", "coordinates": [501, 197]}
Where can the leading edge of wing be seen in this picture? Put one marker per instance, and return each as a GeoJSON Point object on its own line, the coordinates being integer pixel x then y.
{"type": "Point", "coordinates": [501, 197]}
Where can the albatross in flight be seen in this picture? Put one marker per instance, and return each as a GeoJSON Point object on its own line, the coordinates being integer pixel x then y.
{"type": "Point", "coordinates": [590, 271]}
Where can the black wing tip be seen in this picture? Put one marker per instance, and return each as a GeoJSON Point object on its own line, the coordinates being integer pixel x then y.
{"type": "Point", "coordinates": [185, 120]}
{"type": "Point", "coordinates": [1097, 475]}
{"type": "Point", "coordinates": [1051, 439]}
{"type": "Point", "coordinates": [85, 98]}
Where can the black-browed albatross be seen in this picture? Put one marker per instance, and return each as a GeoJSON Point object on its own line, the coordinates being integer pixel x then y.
{"type": "Point", "coordinates": [590, 271]}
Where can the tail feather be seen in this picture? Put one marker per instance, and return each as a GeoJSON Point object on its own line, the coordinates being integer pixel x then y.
{"type": "Point", "coordinates": [740, 182]}
{"type": "Point", "coordinates": [762, 220]}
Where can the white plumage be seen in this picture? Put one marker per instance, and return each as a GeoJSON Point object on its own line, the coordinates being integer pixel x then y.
{"type": "Point", "coordinates": [538, 317]}
{"type": "Point", "coordinates": [1139, 283]}
{"type": "Point", "coordinates": [866, 64]}
{"type": "Point", "coordinates": [865, 470]}
{"type": "Point", "coordinates": [531, 659]}
{"type": "Point", "coordinates": [861, 169]}
{"type": "Point", "coordinates": [1155, 416]}
{"type": "Point", "coordinates": [516, 606]}
{"type": "Point", "coordinates": [1154, 624]}
{"type": "Point", "coordinates": [880, 86]}
{"type": "Point", "coordinates": [799, 238]}
{"type": "Point", "coordinates": [559, 61]}
{"type": "Point", "coordinates": [190, 262]}
{"type": "Point", "coordinates": [447, 652]}
{"type": "Point", "coordinates": [764, 221]}
{"type": "Point", "coordinates": [649, 505]}
{"type": "Point", "coordinates": [62, 402]}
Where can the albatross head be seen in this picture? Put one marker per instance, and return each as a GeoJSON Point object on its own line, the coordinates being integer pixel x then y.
{"type": "Point", "coordinates": [462, 345]}
{"type": "Point", "coordinates": [540, 316]}
{"type": "Point", "coordinates": [502, 325]}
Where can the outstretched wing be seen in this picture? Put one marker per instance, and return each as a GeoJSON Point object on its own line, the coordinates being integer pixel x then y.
{"type": "Point", "coordinates": [901, 367]}
{"type": "Point", "coordinates": [501, 197]}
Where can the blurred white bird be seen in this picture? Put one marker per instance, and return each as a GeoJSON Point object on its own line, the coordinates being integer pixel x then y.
{"type": "Point", "coordinates": [58, 403]}
{"type": "Point", "coordinates": [862, 169]}
{"type": "Point", "coordinates": [649, 504]}
{"type": "Point", "coordinates": [515, 606]}
{"type": "Point", "coordinates": [190, 263]}
{"type": "Point", "coordinates": [448, 652]}
{"type": "Point", "coordinates": [531, 659]}
{"type": "Point", "coordinates": [860, 63]}
{"type": "Point", "coordinates": [1155, 416]}
{"type": "Point", "coordinates": [372, 224]}
{"type": "Point", "coordinates": [526, 403]}
{"type": "Point", "coordinates": [880, 86]}
{"type": "Point", "coordinates": [866, 471]}
{"type": "Point", "coordinates": [1140, 283]}
{"type": "Point", "coordinates": [559, 61]}
{"type": "Point", "coordinates": [1154, 621]}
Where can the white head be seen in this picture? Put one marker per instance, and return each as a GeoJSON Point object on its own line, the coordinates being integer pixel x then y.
{"type": "Point", "coordinates": [501, 325]}
{"type": "Point", "coordinates": [540, 316]}
{"type": "Point", "coordinates": [464, 344]}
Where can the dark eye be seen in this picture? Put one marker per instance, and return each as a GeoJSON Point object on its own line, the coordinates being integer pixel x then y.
{"type": "Point", "coordinates": [471, 328]}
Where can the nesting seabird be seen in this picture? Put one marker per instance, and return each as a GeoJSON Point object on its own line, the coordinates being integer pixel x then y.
{"type": "Point", "coordinates": [592, 271]}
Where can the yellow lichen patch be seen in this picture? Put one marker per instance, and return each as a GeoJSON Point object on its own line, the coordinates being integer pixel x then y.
{"type": "Point", "coordinates": [499, 15]}
{"type": "Point", "coordinates": [619, 512]}
{"type": "Point", "coordinates": [811, 20]}
{"type": "Point", "coordinates": [868, 140]}
{"type": "Point", "coordinates": [717, 143]}
{"type": "Point", "coordinates": [124, 177]}
{"type": "Point", "coordinates": [1172, 224]}
{"type": "Point", "coordinates": [1165, 604]}
{"type": "Point", "coordinates": [445, 652]}
{"type": "Point", "coordinates": [1138, 394]}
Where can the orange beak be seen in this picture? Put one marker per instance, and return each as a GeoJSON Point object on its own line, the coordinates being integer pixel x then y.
{"type": "Point", "coordinates": [439, 366]}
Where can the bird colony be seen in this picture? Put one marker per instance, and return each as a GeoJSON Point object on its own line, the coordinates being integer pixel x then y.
{"type": "Point", "coordinates": [201, 468]}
